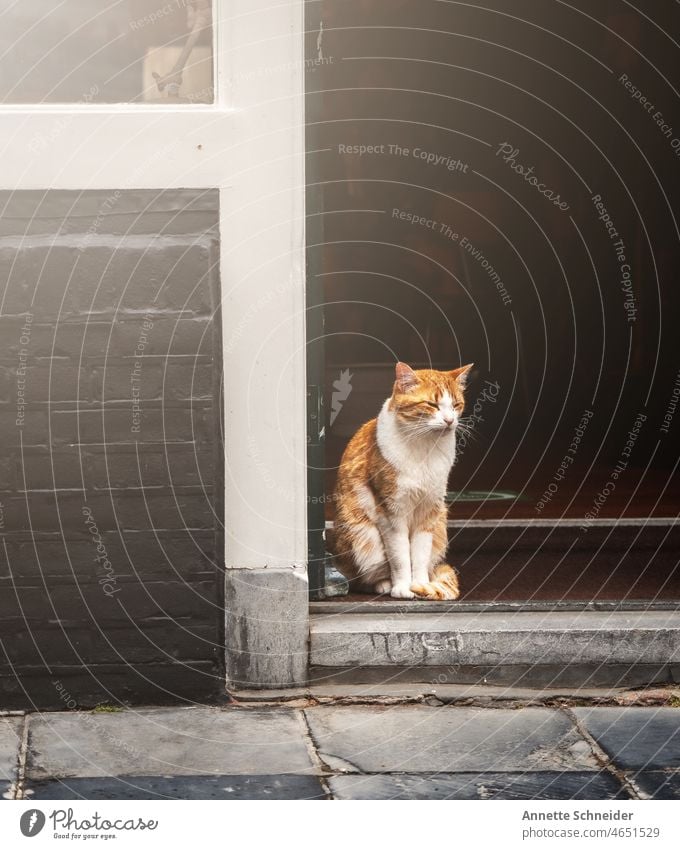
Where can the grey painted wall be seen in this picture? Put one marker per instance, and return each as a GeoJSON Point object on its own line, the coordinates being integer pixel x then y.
{"type": "Point", "coordinates": [110, 457]}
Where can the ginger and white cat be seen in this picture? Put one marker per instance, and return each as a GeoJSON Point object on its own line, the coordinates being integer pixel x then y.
{"type": "Point", "coordinates": [390, 522]}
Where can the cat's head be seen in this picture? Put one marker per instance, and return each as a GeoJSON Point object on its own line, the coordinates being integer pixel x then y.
{"type": "Point", "coordinates": [429, 401]}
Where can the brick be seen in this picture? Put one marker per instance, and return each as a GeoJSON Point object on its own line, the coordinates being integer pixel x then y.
{"type": "Point", "coordinates": [51, 471]}
{"type": "Point", "coordinates": [55, 512]}
{"type": "Point", "coordinates": [7, 386]}
{"type": "Point", "coordinates": [199, 265]}
{"type": "Point", "coordinates": [161, 511]}
{"type": "Point", "coordinates": [114, 425]}
{"type": "Point", "coordinates": [7, 479]}
{"type": "Point", "coordinates": [116, 382]}
{"type": "Point", "coordinates": [79, 339]}
{"type": "Point", "coordinates": [63, 511]}
{"type": "Point", "coordinates": [55, 382]}
{"type": "Point", "coordinates": [151, 468]}
{"type": "Point", "coordinates": [32, 432]}
{"type": "Point", "coordinates": [169, 274]}
{"type": "Point", "coordinates": [24, 687]}
{"type": "Point", "coordinates": [38, 280]}
{"type": "Point", "coordinates": [176, 336]}
{"type": "Point", "coordinates": [86, 642]}
{"type": "Point", "coordinates": [115, 600]}
{"type": "Point", "coordinates": [28, 213]}
{"type": "Point", "coordinates": [190, 382]}
{"type": "Point", "coordinates": [158, 556]}
{"type": "Point", "coordinates": [12, 334]}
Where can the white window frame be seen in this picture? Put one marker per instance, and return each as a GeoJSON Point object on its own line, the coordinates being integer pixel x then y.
{"type": "Point", "coordinates": [250, 145]}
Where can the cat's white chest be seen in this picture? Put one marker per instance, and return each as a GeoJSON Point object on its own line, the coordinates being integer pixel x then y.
{"type": "Point", "coordinates": [422, 465]}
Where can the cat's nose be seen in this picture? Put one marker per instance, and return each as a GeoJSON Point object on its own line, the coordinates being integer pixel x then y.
{"type": "Point", "coordinates": [449, 419]}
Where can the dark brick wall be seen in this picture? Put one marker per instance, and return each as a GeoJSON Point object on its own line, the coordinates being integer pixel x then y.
{"type": "Point", "coordinates": [110, 447]}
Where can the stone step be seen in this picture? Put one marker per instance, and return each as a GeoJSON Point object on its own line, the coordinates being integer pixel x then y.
{"type": "Point", "coordinates": [523, 648]}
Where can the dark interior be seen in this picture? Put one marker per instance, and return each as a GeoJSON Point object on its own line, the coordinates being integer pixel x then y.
{"type": "Point", "coordinates": [429, 122]}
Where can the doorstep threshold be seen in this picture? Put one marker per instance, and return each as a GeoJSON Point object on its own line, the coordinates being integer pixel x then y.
{"type": "Point", "coordinates": [615, 522]}
{"type": "Point", "coordinates": [588, 637]}
{"type": "Point", "coordinates": [391, 606]}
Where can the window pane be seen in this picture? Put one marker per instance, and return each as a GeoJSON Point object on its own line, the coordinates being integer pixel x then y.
{"type": "Point", "coordinates": [103, 51]}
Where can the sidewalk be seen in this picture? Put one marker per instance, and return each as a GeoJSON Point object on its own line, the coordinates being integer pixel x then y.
{"type": "Point", "coordinates": [365, 751]}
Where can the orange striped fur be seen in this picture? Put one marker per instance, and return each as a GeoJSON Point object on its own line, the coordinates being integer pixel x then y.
{"type": "Point", "coordinates": [390, 524]}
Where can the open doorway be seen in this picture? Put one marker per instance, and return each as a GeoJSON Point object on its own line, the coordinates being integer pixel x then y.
{"type": "Point", "coordinates": [482, 203]}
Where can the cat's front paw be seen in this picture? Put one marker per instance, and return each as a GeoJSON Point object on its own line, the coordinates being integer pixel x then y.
{"type": "Point", "coordinates": [401, 591]}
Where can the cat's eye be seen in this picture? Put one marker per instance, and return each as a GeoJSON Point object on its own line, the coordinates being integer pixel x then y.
{"type": "Point", "coordinates": [433, 404]}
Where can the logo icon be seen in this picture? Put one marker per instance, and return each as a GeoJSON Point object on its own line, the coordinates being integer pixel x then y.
{"type": "Point", "coordinates": [342, 390]}
{"type": "Point", "coordinates": [32, 822]}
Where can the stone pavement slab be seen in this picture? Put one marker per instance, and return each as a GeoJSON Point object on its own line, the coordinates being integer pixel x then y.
{"type": "Point", "coordinates": [172, 741]}
{"type": "Point", "coordinates": [659, 784]}
{"type": "Point", "coordinates": [10, 740]}
{"type": "Point", "coordinates": [369, 751]}
{"type": "Point", "coordinates": [489, 785]}
{"type": "Point", "coordinates": [636, 738]}
{"type": "Point", "coordinates": [447, 739]}
{"type": "Point", "coordinates": [160, 787]}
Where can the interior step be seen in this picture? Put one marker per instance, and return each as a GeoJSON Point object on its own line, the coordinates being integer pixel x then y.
{"type": "Point", "coordinates": [610, 648]}
{"type": "Point", "coordinates": [540, 560]}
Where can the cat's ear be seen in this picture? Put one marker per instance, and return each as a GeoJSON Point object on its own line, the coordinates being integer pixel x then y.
{"type": "Point", "coordinates": [460, 375]}
{"type": "Point", "coordinates": [405, 378]}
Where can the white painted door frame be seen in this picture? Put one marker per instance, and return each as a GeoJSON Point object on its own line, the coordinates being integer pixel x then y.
{"type": "Point", "coordinates": [250, 145]}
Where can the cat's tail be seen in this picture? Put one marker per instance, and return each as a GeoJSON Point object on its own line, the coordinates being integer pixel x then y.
{"type": "Point", "coordinates": [444, 585]}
